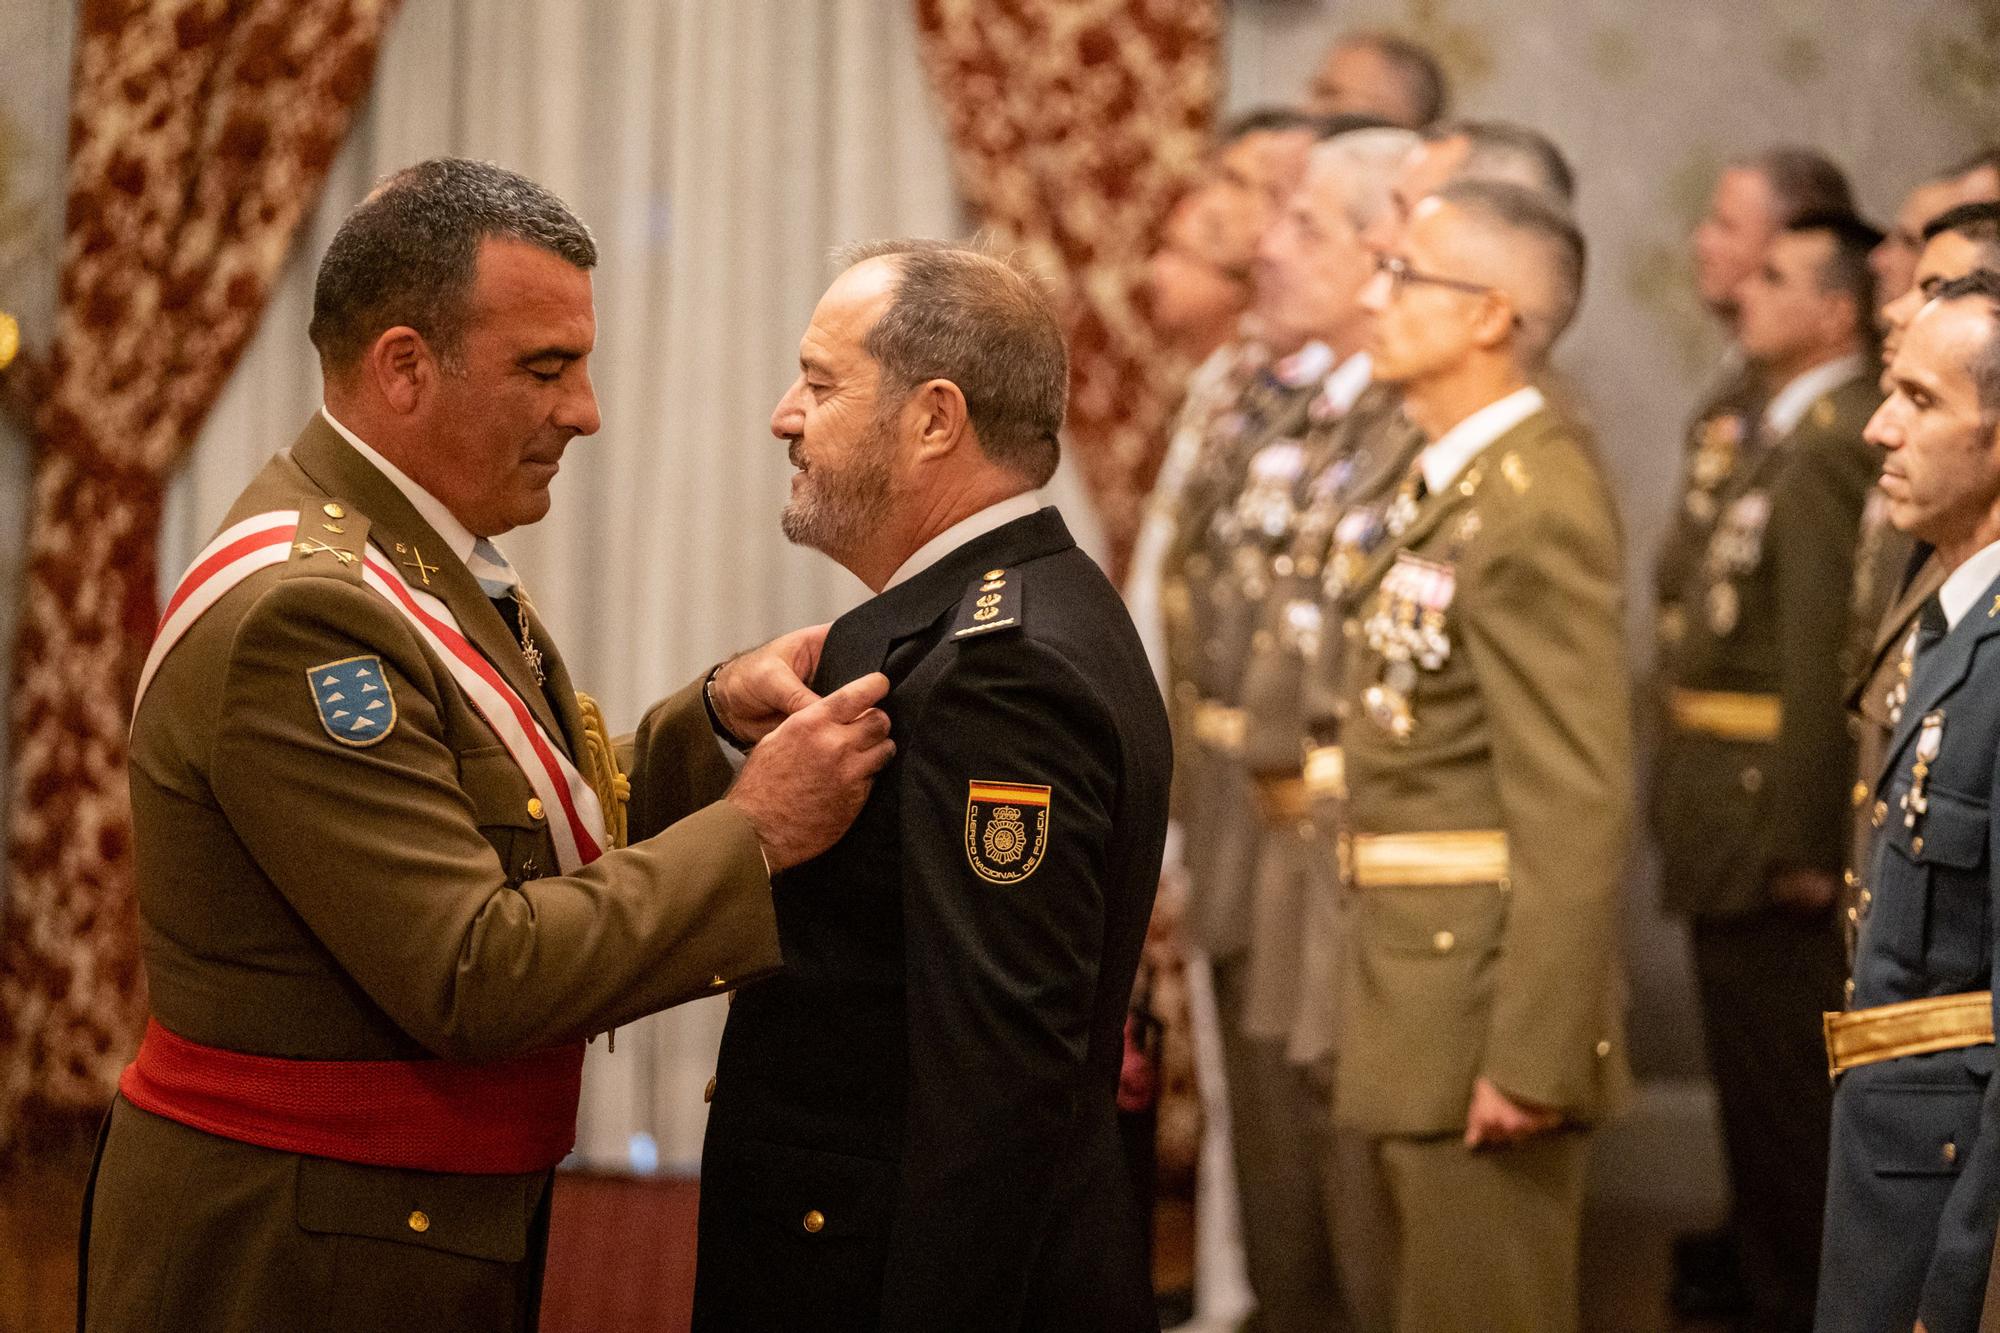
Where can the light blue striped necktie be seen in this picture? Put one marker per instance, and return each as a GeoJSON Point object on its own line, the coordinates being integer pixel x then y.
{"type": "Point", "coordinates": [496, 577]}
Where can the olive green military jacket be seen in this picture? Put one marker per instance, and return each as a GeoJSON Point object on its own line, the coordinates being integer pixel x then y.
{"type": "Point", "coordinates": [1512, 717]}
{"type": "Point", "coordinates": [1213, 591]}
{"type": "Point", "coordinates": [1875, 706]}
{"type": "Point", "coordinates": [1297, 915]}
{"type": "Point", "coordinates": [1719, 435]}
{"type": "Point", "coordinates": [307, 898]}
{"type": "Point", "coordinates": [1756, 758]}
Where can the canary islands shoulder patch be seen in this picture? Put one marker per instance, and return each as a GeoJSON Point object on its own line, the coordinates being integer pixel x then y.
{"type": "Point", "coordinates": [356, 705]}
{"type": "Point", "coordinates": [1006, 829]}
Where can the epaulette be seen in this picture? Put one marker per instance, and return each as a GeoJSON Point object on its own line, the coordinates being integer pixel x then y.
{"type": "Point", "coordinates": [994, 602]}
{"type": "Point", "coordinates": [332, 540]}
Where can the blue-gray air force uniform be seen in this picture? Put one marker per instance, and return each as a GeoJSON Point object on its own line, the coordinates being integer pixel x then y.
{"type": "Point", "coordinates": [1914, 1180]}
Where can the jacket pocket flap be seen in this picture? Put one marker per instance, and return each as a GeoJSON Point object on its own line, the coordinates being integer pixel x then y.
{"type": "Point", "coordinates": [484, 1217]}
{"type": "Point", "coordinates": [1435, 921]}
{"type": "Point", "coordinates": [808, 1191]}
{"type": "Point", "coordinates": [1926, 1130]}
{"type": "Point", "coordinates": [1953, 829]}
{"type": "Point", "coordinates": [497, 788]}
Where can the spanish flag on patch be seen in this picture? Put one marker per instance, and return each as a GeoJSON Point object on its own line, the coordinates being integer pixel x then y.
{"type": "Point", "coordinates": [1006, 829]}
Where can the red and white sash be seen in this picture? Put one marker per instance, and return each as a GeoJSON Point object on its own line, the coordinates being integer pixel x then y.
{"type": "Point", "coordinates": [577, 820]}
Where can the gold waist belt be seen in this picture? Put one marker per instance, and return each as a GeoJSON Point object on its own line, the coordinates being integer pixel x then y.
{"type": "Point", "coordinates": [1910, 1027]}
{"type": "Point", "coordinates": [1412, 860]}
{"type": "Point", "coordinates": [1731, 716]}
{"type": "Point", "coordinates": [1326, 772]}
{"type": "Point", "coordinates": [1283, 796]}
{"type": "Point", "coordinates": [1220, 727]}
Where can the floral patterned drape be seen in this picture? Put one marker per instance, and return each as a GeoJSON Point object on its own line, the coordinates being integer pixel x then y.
{"type": "Point", "coordinates": [1075, 124]}
{"type": "Point", "coordinates": [200, 133]}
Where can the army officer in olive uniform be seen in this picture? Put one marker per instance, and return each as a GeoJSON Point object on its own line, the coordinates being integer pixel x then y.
{"type": "Point", "coordinates": [1489, 771]}
{"type": "Point", "coordinates": [1750, 799]}
{"type": "Point", "coordinates": [1914, 1181]}
{"type": "Point", "coordinates": [914, 1125]}
{"type": "Point", "coordinates": [377, 923]}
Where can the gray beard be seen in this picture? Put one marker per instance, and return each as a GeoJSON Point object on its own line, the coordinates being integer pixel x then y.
{"type": "Point", "coordinates": [837, 512]}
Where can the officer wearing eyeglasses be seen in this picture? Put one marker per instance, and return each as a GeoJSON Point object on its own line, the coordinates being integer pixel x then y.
{"type": "Point", "coordinates": [1488, 765]}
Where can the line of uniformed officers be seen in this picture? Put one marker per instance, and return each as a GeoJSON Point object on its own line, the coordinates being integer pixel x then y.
{"type": "Point", "coordinates": [1386, 584]}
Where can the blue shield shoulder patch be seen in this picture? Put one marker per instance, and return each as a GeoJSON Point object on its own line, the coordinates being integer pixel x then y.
{"type": "Point", "coordinates": [356, 705]}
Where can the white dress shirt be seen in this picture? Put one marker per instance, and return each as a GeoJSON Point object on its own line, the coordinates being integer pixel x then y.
{"type": "Point", "coordinates": [963, 531]}
{"type": "Point", "coordinates": [1781, 418]}
{"type": "Point", "coordinates": [1961, 588]}
{"type": "Point", "coordinates": [1448, 455]}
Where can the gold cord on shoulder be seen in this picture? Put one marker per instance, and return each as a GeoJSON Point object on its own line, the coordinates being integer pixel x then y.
{"type": "Point", "coordinates": [600, 769]}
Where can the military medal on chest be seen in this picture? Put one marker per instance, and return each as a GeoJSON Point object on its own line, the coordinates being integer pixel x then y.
{"type": "Point", "coordinates": [1716, 447]}
{"type": "Point", "coordinates": [1930, 739]}
{"type": "Point", "coordinates": [1735, 548]}
{"type": "Point", "coordinates": [1406, 629]}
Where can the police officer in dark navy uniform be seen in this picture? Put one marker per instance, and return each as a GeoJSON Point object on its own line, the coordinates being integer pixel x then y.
{"type": "Point", "coordinates": [914, 1125]}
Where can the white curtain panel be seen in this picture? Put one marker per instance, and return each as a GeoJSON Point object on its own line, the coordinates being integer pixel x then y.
{"type": "Point", "coordinates": [719, 150]}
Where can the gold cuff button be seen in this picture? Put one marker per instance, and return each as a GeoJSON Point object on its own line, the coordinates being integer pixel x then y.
{"type": "Point", "coordinates": [708, 1093]}
{"type": "Point", "coordinates": [420, 1221]}
{"type": "Point", "coordinates": [1917, 844]}
{"type": "Point", "coordinates": [814, 1221]}
{"type": "Point", "coordinates": [1859, 794]}
{"type": "Point", "coordinates": [335, 511]}
{"type": "Point", "coordinates": [1443, 941]}
{"type": "Point", "coordinates": [1603, 1049]}
{"type": "Point", "coordinates": [1949, 1151]}
{"type": "Point", "coordinates": [1879, 813]}
{"type": "Point", "coordinates": [1849, 878]}
{"type": "Point", "coordinates": [534, 807]}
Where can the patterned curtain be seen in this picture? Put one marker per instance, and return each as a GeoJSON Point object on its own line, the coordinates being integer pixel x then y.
{"type": "Point", "coordinates": [1075, 124]}
{"type": "Point", "coordinates": [200, 132]}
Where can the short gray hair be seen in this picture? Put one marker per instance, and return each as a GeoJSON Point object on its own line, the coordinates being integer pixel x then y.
{"type": "Point", "coordinates": [1502, 150]}
{"type": "Point", "coordinates": [981, 320]}
{"type": "Point", "coordinates": [1530, 217]}
{"type": "Point", "coordinates": [408, 254]}
{"type": "Point", "coordinates": [1364, 163]}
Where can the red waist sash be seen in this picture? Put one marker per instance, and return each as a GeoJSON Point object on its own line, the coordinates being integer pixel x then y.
{"type": "Point", "coordinates": [502, 1117]}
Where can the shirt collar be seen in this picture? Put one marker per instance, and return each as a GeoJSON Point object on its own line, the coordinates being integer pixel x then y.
{"type": "Point", "coordinates": [458, 538]}
{"type": "Point", "coordinates": [1789, 404]}
{"type": "Point", "coordinates": [1445, 457]}
{"type": "Point", "coordinates": [1345, 385]}
{"type": "Point", "coordinates": [1961, 588]}
{"type": "Point", "coordinates": [963, 531]}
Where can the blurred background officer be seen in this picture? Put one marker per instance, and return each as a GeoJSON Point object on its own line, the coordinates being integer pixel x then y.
{"type": "Point", "coordinates": [1488, 764]}
{"type": "Point", "coordinates": [1749, 792]}
{"type": "Point", "coordinates": [1914, 1182]}
{"type": "Point", "coordinates": [1312, 1218]}
{"type": "Point", "coordinates": [1380, 74]}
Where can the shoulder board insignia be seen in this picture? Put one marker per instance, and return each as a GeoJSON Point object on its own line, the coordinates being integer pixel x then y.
{"type": "Point", "coordinates": [993, 602]}
{"type": "Point", "coordinates": [355, 703]}
{"type": "Point", "coordinates": [332, 539]}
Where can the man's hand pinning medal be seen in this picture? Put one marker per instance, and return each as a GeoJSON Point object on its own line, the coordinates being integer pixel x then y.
{"type": "Point", "coordinates": [805, 781]}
